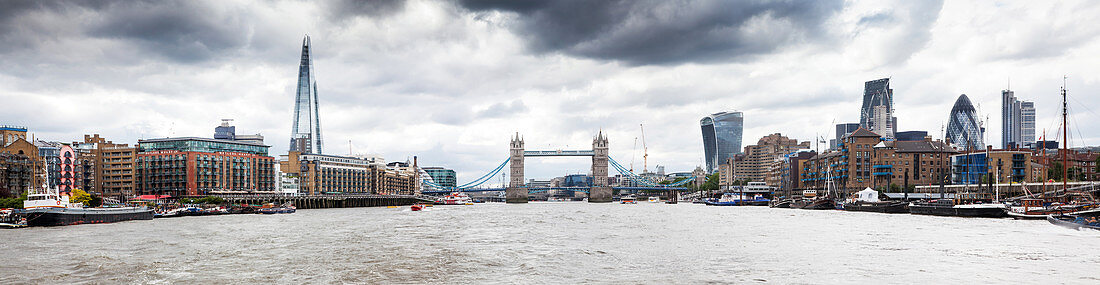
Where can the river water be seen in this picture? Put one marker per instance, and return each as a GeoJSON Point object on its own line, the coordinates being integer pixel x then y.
{"type": "Point", "coordinates": [555, 243]}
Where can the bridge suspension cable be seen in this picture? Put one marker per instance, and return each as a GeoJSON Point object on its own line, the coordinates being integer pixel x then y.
{"type": "Point", "coordinates": [477, 182]}
{"type": "Point", "coordinates": [642, 180]}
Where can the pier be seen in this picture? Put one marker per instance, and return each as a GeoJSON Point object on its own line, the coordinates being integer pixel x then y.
{"type": "Point", "coordinates": [326, 201]}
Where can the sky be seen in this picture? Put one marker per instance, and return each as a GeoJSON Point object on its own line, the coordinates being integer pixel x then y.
{"type": "Point", "coordinates": [451, 81]}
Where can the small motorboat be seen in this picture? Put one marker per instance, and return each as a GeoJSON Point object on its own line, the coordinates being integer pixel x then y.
{"type": "Point", "coordinates": [417, 207]}
{"type": "Point", "coordinates": [1079, 220]}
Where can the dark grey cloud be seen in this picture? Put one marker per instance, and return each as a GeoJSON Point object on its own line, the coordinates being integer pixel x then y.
{"type": "Point", "coordinates": [180, 31]}
{"type": "Point", "coordinates": [663, 32]}
{"type": "Point", "coordinates": [349, 9]}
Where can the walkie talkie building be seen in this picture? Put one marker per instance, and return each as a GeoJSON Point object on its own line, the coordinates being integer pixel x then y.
{"type": "Point", "coordinates": [306, 134]}
{"type": "Point", "coordinates": [721, 137]}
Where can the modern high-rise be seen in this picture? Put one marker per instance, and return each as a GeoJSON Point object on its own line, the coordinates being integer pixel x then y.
{"type": "Point", "coordinates": [877, 114]}
{"type": "Point", "coordinates": [841, 131]}
{"type": "Point", "coordinates": [306, 134]}
{"type": "Point", "coordinates": [721, 137]}
{"type": "Point", "coordinates": [963, 128]}
{"type": "Point", "coordinates": [1017, 121]}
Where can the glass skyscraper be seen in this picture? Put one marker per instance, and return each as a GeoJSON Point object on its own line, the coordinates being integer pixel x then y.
{"type": "Point", "coordinates": [877, 113]}
{"type": "Point", "coordinates": [721, 137]}
{"type": "Point", "coordinates": [963, 128]}
{"type": "Point", "coordinates": [306, 134]}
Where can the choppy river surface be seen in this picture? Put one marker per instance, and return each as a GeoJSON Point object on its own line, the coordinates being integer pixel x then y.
{"type": "Point", "coordinates": [556, 243]}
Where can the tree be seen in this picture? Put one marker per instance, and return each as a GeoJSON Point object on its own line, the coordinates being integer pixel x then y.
{"type": "Point", "coordinates": [712, 182]}
{"type": "Point", "coordinates": [1055, 171]}
{"type": "Point", "coordinates": [79, 196]}
{"type": "Point", "coordinates": [14, 203]}
{"type": "Point", "coordinates": [96, 201]}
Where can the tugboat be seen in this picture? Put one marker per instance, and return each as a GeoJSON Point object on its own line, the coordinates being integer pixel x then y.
{"type": "Point", "coordinates": [53, 209]}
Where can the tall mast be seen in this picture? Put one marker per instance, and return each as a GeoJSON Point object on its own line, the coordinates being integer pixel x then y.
{"type": "Point", "coordinates": [1065, 136]}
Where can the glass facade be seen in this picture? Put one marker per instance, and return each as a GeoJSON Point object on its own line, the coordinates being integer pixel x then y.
{"type": "Point", "coordinates": [877, 93]}
{"type": "Point", "coordinates": [306, 134]}
{"type": "Point", "coordinates": [201, 145]}
{"type": "Point", "coordinates": [721, 137]}
{"type": "Point", "coordinates": [968, 168]}
{"type": "Point", "coordinates": [963, 129]}
{"type": "Point", "coordinates": [442, 176]}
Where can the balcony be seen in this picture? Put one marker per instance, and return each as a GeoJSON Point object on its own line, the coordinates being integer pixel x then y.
{"type": "Point", "coordinates": [884, 166]}
{"type": "Point", "coordinates": [882, 173]}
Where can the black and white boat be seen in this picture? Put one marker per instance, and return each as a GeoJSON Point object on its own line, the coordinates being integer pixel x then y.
{"type": "Point", "coordinates": [948, 207]}
{"type": "Point", "coordinates": [868, 201]}
{"type": "Point", "coordinates": [53, 209]}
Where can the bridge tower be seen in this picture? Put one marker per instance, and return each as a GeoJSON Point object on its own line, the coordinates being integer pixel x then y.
{"type": "Point", "coordinates": [600, 192]}
{"type": "Point", "coordinates": [516, 191]}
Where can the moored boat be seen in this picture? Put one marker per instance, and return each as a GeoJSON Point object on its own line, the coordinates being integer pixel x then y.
{"type": "Point", "coordinates": [820, 204]}
{"type": "Point", "coordinates": [948, 207]}
{"type": "Point", "coordinates": [868, 201]}
{"type": "Point", "coordinates": [53, 209]}
{"type": "Point", "coordinates": [782, 204]}
{"type": "Point", "coordinates": [737, 199]}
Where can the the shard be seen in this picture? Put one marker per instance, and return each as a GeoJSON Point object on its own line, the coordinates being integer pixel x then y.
{"type": "Point", "coordinates": [306, 134]}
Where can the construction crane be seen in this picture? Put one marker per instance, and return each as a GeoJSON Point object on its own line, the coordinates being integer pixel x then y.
{"type": "Point", "coordinates": [633, 151]}
{"type": "Point", "coordinates": [645, 151]}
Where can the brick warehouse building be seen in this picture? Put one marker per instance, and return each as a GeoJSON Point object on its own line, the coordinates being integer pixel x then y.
{"type": "Point", "coordinates": [193, 166]}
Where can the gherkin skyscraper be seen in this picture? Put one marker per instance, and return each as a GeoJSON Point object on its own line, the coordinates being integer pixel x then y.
{"type": "Point", "coordinates": [306, 134]}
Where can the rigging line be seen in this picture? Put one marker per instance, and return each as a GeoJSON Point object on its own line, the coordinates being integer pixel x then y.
{"type": "Point", "coordinates": [1080, 137]}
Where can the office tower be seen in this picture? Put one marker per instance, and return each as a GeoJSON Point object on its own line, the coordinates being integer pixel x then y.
{"type": "Point", "coordinates": [1027, 123]}
{"type": "Point", "coordinates": [306, 134]}
{"type": "Point", "coordinates": [841, 131]}
{"type": "Point", "coordinates": [1017, 121]}
{"type": "Point", "coordinates": [877, 113]}
{"type": "Point", "coordinates": [721, 137]}
{"type": "Point", "coordinates": [963, 128]}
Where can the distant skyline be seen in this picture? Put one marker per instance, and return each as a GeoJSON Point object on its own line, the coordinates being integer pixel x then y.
{"type": "Point", "coordinates": [450, 81]}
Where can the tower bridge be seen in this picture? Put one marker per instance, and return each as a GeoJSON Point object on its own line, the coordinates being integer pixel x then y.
{"type": "Point", "coordinates": [516, 191]}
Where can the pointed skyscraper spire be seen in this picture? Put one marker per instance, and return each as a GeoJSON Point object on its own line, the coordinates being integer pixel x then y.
{"type": "Point", "coordinates": [306, 133]}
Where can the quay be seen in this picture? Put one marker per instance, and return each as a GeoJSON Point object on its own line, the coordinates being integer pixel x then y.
{"type": "Point", "coordinates": [326, 201]}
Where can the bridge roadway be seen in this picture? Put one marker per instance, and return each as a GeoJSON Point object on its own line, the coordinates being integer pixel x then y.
{"type": "Point", "coordinates": [326, 201]}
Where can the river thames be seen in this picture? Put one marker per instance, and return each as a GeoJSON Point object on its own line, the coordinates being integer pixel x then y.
{"type": "Point", "coordinates": [556, 243]}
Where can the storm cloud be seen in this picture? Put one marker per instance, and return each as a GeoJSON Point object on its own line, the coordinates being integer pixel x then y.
{"type": "Point", "coordinates": [664, 32]}
{"type": "Point", "coordinates": [450, 81]}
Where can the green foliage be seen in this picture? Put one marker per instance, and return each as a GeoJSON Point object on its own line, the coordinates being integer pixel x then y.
{"type": "Point", "coordinates": [712, 182]}
{"type": "Point", "coordinates": [14, 203]}
{"type": "Point", "coordinates": [96, 201]}
{"type": "Point", "coordinates": [79, 196]}
{"type": "Point", "coordinates": [1055, 171]}
{"type": "Point", "coordinates": [208, 200]}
